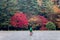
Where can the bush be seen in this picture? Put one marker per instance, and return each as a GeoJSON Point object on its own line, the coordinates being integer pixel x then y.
{"type": "Point", "coordinates": [50, 26]}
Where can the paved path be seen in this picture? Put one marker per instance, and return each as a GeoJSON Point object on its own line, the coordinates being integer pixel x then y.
{"type": "Point", "coordinates": [24, 35]}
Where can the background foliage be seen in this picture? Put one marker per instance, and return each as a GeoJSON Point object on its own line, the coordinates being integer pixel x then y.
{"type": "Point", "coordinates": [30, 7]}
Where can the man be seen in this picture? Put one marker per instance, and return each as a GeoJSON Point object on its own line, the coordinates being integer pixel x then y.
{"type": "Point", "coordinates": [30, 29]}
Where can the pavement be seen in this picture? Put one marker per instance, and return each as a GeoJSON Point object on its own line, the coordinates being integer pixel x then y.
{"type": "Point", "coordinates": [25, 35]}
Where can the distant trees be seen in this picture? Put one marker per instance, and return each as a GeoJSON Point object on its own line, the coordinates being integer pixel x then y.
{"type": "Point", "coordinates": [29, 7]}
{"type": "Point", "coordinates": [9, 7]}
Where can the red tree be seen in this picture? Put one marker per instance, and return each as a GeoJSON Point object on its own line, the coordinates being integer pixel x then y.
{"type": "Point", "coordinates": [44, 21]}
{"type": "Point", "coordinates": [19, 19]}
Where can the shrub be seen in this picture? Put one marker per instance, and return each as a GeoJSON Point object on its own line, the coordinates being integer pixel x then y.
{"type": "Point", "coordinates": [50, 26]}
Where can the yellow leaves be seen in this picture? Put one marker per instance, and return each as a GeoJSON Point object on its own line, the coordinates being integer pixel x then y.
{"type": "Point", "coordinates": [39, 2]}
{"type": "Point", "coordinates": [56, 9]}
{"type": "Point", "coordinates": [33, 18]}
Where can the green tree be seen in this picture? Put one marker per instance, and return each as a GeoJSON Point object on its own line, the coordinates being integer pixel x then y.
{"type": "Point", "coordinates": [9, 7]}
{"type": "Point", "coordinates": [3, 12]}
{"type": "Point", "coordinates": [6, 10]}
{"type": "Point", "coordinates": [29, 6]}
{"type": "Point", "coordinates": [51, 26]}
{"type": "Point", "coordinates": [48, 5]}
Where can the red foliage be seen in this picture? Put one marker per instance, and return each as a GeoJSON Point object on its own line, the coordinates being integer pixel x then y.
{"type": "Point", "coordinates": [19, 20]}
{"type": "Point", "coordinates": [44, 21]}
